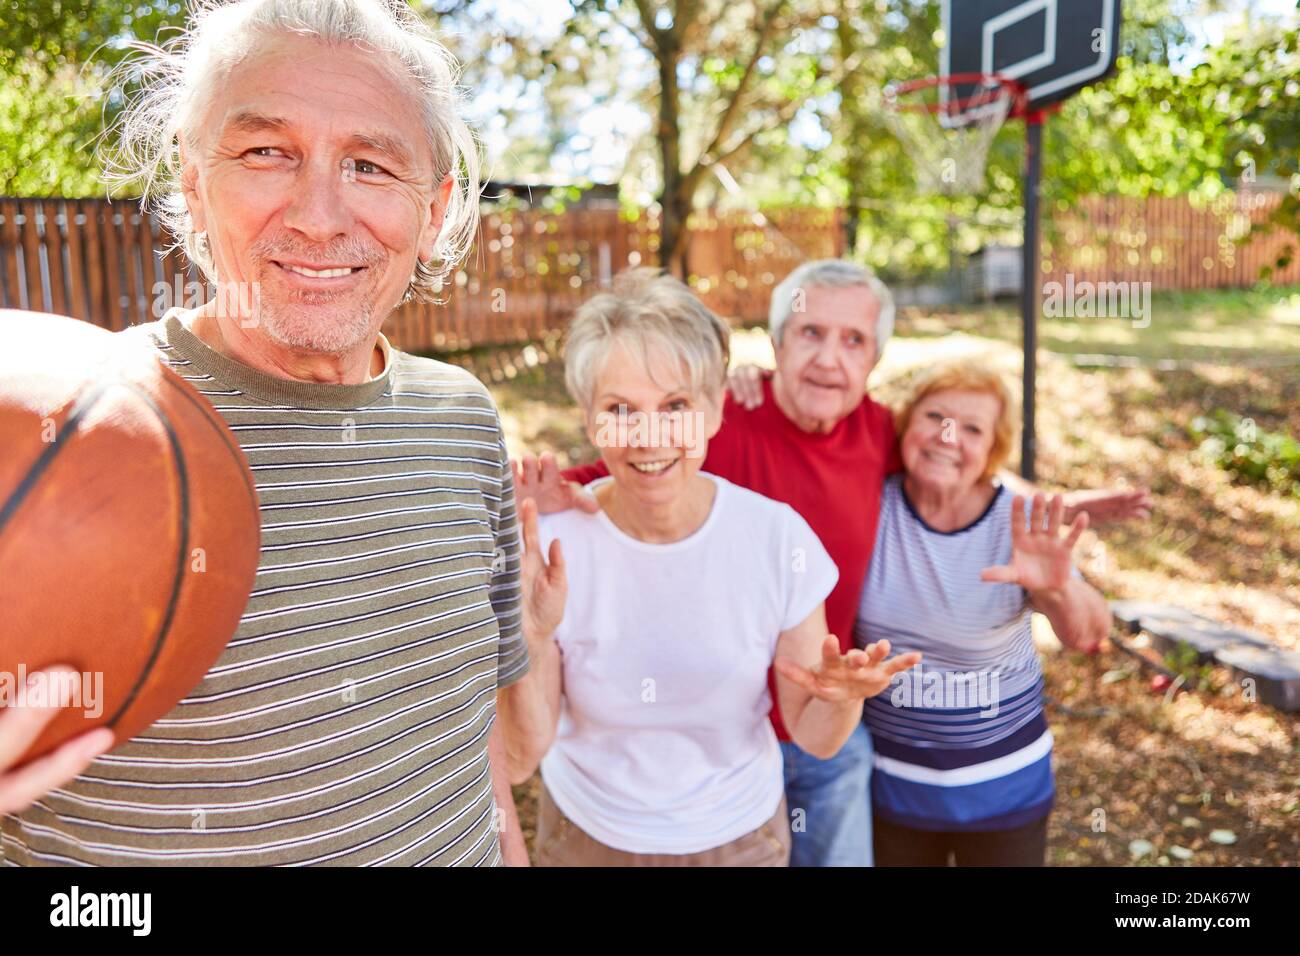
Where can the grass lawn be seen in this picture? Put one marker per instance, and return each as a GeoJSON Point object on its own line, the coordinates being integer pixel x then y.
{"type": "Point", "coordinates": [1114, 406]}
{"type": "Point", "coordinates": [1256, 326]}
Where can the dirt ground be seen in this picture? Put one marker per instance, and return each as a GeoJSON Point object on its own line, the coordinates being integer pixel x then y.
{"type": "Point", "coordinates": [1202, 777]}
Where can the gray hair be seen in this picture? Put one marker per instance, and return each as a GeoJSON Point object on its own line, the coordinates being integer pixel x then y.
{"type": "Point", "coordinates": [646, 308]}
{"type": "Point", "coordinates": [830, 274]}
{"type": "Point", "coordinates": [179, 77]}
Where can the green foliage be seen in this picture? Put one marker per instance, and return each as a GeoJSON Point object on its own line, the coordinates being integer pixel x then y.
{"type": "Point", "coordinates": [1233, 118]}
{"type": "Point", "coordinates": [1185, 661]}
{"type": "Point", "coordinates": [1253, 455]}
{"type": "Point", "coordinates": [54, 60]}
{"type": "Point", "coordinates": [48, 119]}
{"type": "Point", "coordinates": [76, 31]}
{"type": "Point", "coordinates": [1266, 137]}
{"type": "Point", "coordinates": [1157, 127]}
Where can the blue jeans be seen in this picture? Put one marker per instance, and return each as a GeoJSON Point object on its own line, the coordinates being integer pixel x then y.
{"type": "Point", "coordinates": [829, 802]}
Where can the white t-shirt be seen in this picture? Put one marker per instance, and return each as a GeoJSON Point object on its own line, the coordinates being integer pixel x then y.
{"type": "Point", "coordinates": [664, 743]}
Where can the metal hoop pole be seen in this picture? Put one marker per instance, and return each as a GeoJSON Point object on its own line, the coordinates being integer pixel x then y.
{"type": "Point", "coordinates": [1030, 284]}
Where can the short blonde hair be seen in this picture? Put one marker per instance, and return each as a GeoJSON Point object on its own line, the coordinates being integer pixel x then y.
{"type": "Point", "coordinates": [968, 376]}
{"type": "Point", "coordinates": [646, 308]}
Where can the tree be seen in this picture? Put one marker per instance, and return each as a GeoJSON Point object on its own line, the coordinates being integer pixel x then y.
{"type": "Point", "coordinates": [1266, 134]}
{"type": "Point", "coordinates": [54, 58]}
{"type": "Point", "coordinates": [1159, 126]}
{"type": "Point", "coordinates": [725, 74]}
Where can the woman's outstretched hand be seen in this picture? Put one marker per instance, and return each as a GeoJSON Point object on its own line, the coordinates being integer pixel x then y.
{"type": "Point", "coordinates": [1109, 505]}
{"type": "Point", "coordinates": [859, 674]}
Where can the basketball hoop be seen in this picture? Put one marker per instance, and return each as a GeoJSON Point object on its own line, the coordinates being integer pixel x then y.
{"type": "Point", "coordinates": [947, 124]}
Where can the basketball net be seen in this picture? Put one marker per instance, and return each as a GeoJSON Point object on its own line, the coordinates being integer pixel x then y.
{"type": "Point", "coordinates": [947, 135]}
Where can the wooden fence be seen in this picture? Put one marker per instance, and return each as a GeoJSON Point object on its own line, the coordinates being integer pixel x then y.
{"type": "Point", "coordinates": [106, 262]}
{"type": "Point", "coordinates": [1173, 243]}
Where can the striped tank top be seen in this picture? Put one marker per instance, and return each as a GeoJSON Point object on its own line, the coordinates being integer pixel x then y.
{"type": "Point", "coordinates": [961, 741]}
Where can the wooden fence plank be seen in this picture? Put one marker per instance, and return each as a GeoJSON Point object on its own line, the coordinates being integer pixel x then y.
{"type": "Point", "coordinates": [97, 299]}
{"type": "Point", "coordinates": [31, 241]}
{"type": "Point", "coordinates": [133, 267]}
{"type": "Point", "coordinates": [52, 237]}
{"type": "Point", "coordinates": [74, 235]}
{"type": "Point", "coordinates": [110, 235]}
{"type": "Point", "coordinates": [10, 246]}
{"type": "Point", "coordinates": [149, 273]}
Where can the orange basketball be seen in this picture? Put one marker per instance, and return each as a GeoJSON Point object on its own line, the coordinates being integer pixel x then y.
{"type": "Point", "coordinates": [129, 527]}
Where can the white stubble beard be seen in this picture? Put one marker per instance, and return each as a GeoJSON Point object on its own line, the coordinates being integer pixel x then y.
{"type": "Point", "coordinates": [292, 325]}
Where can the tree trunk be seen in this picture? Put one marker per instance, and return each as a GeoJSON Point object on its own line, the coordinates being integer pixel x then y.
{"type": "Point", "coordinates": [852, 221]}
{"type": "Point", "coordinates": [674, 203]}
{"type": "Point", "coordinates": [851, 109]}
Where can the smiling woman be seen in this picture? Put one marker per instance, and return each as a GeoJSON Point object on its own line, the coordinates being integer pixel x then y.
{"type": "Point", "coordinates": [963, 752]}
{"type": "Point", "coordinates": [650, 351]}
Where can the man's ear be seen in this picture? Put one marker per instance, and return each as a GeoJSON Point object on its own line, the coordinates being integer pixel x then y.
{"type": "Point", "coordinates": [437, 212]}
{"type": "Point", "coordinates": [190, 188]}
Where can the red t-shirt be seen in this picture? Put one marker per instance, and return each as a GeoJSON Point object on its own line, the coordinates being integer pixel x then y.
{"type": "Point", "coordinates": [832, 480]}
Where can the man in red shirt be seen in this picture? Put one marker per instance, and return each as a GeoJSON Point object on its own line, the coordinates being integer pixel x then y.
{"type": "Point", "coordinates": [818, 443]}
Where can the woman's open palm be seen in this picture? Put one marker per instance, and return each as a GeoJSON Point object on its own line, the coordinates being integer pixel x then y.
{"type": "Point", "coordinates": [1040, 556]}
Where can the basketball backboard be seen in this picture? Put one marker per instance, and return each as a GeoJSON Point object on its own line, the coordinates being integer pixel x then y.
{"type": "Point", "coordinates": [1052, 47]}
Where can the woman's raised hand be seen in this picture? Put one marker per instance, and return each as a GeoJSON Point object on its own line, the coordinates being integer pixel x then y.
{"type": "Point", "coordinates": [545, 585]}
{"type": "Point", "coordinates": [1040, 557]}
{"type": "Point", "coordinates": [853, 676]}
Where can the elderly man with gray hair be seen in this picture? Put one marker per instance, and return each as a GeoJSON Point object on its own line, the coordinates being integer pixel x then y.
{"type": "Point", "coordinates": [309, 155]}
{"type": "Point", "coordinates": [813, 438]}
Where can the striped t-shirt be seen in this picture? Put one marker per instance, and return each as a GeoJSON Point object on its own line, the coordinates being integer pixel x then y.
{"type": "Point", "coordinates": [961, 740]}
{"type": "Point", "coordinates": [347, 720]}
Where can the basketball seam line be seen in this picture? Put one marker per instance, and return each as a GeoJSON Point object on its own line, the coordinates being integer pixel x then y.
{"type": "Point", "coordinates": [225, 437]}
{"type": "Point", "coordinates": [178, 576]}
{"type": "Point", "coordinates": [61, 439]}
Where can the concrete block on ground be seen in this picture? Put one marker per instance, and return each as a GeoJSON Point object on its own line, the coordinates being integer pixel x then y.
{"type": "Point", "coordinates": [1206, 636]}
{"type": "Point", "coordinates": [1276, 673]}
{"type": "Point", "coordinates": [1171, 625]}
{"type": "Point", "coordinates": [1130, 613]}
